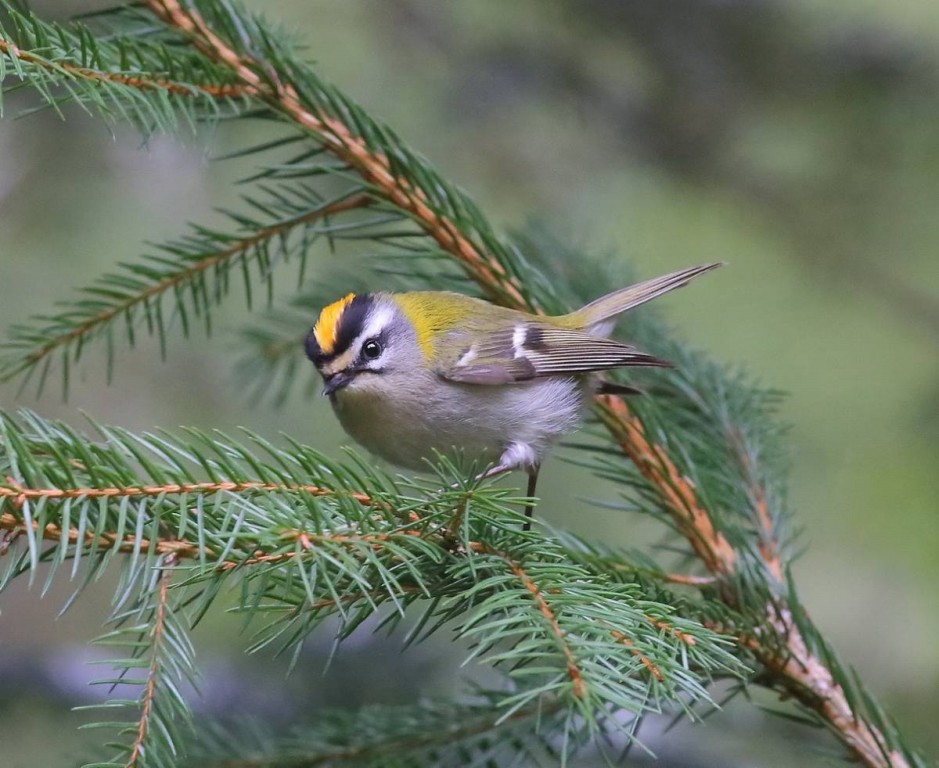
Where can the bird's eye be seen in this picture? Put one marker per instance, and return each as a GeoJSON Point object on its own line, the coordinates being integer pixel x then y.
{"type": "Point", "coordinates": [372, 349]}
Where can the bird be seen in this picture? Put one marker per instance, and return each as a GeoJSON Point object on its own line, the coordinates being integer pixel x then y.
{"type": "Point", "coordinates": [418, 373]}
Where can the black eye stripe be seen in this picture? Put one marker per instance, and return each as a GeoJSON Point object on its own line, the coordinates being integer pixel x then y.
{"type": "Point", "coordinates": [351, 322]}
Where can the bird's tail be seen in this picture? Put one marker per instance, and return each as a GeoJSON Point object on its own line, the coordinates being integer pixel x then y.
{"type": "Point", "coordinates": [599, 316]}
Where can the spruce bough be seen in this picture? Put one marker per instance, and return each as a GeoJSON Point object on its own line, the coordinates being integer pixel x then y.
{"type": "Point", "coordinates": [588, 639]}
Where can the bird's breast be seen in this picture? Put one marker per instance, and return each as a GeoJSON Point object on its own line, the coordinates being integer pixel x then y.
{"type": "Point", "coordinates": [407, 425]}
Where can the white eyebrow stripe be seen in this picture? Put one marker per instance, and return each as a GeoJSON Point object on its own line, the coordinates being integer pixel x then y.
{"type": "Point", "coordinates": [378, 318]}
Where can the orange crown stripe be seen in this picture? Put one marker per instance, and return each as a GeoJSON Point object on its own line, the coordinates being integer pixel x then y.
{"type": "Point", "coordinates": [327, 326]}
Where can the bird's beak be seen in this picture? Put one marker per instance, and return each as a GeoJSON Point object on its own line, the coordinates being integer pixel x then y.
{"type": "Point", "coordinates": [337, 381]}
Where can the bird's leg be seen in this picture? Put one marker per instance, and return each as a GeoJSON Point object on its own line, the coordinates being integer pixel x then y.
{"type": "Point", "coordinates": [515, 456]}
{"type": "Point", "coordinates": [532, 484]}
{"type": "Point", "coordinates": [532, 470]}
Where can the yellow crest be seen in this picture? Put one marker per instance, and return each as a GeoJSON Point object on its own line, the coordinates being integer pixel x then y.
{"type": "Point", "coordinates": [327, 326]}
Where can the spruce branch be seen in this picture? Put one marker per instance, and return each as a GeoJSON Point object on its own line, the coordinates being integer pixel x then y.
{"type": "Point", "coordinates": [28, 60]}
{"type": "Point", "coordinates": [15, 525]}
{"type": "Point", "coordinates": [157, 641]}
{"type": "Point", "coordinates": [816, 689]}
{"type": "Point", "coordinates": [430, 734]}
{"type": "Point", "coordinates": [139, 80]}
{"type": "Point", "coordinates": [136, 294]}
{"type": "Point", "coordinates": [699, 452]}
{"type": "Point", "coordinates": [309, 107]}
{"type": "Point", "coordinates": [544, 608]}
{"type": "Point", "coordinates": [160, 660]}
{"type": "Point", "coordinates": [655, 465]}
{"type": "Point", "coordinates": [344, 546]}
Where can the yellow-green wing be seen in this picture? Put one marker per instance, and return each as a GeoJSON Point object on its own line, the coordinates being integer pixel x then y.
{"type": "Point", "coordinates": [532, 350]}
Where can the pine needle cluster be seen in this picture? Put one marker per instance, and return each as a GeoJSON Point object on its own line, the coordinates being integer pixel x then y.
{"type": "Point", "coordinates": [588, 640]}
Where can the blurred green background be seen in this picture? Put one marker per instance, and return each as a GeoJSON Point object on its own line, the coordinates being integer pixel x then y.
{"type": "Point", "coordinates": [799, 142]}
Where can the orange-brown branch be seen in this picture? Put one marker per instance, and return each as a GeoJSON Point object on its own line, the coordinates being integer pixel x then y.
{"type": "Point", "coordinates": [371, 164]}
{"type": "Point", "coordinates": [19, 494]}
{"type": "Point", "coordinates": [159, 623]}
{"type": "Point", "coordinates": [52, 532]}
{"type": "Point", "coordinates": [684, 637]}
{"type": "Point", "coordinates": [798, 670]}
{"type": "Point", "coordinates": [689, 580]}
{"type": "Point", "coordinates": [184, 549]}
{"type": "Point", "coordinates": [16, 496]}
{"type": "Point", "coordinates": [573, 670]}
{"type": "Point", "coordinates": [769, 546]}
{"type": "Point", "coordinates": [676, 491]}
{"type": "Point", "coordinates": [139, 82]}
{"type": "Point", "coordinates": [645, 660]}
{"type": "Point", "coordinates": [794, 668]}
{"type": "Point", "coordinates": [801, 674]}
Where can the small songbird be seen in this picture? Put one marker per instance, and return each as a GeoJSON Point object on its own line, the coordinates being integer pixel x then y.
{"type": "Point", "coordinates": [411, 374]}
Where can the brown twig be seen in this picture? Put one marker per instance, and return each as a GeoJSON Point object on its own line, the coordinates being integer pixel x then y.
{"type": "Point", "coordinates": [803, 675]}
{"type": "Point", "coordinates": [676, 491]}
{"type": "Point", "coordinates": [156, 639]}
{"type": "Point", "coordinates": [175, 549]}
{"type": "Point", "coordinates": [188, 550]}
{"type": "Point", "coordinates": [17, 495]}
{"type": "Point", "coordinates": [793, 668]}
{"type": "Point", "coordinates": [796, 669]}
{"type": "Point", "coordinates": [372, 165]}
{"type": "Point", "coordinates": [137, 81]}
{"type": "Point", "coordinates": [664, 626]}
{"type": "Point", "coordinates": [645, 661]}
{"type": "Point", "coordinates": [769, 546]}
{"type": "Point", "coordinates": [573, 669]}
{"type": "Point", "coordinates": [689, 580]}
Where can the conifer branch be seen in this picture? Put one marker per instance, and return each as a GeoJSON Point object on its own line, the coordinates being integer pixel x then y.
{"type": "Point", "coordinates": [801, 673]}
{"type": "Point", "coordinates": [61, 335]}
{"type": "Point", "coordinates": [158, 647]}
{"type": "Point", "coordinates": [140, 82]}
{"type": "Point", "coordinates": [509, 592]}
{"type": "Point", "coordinates": [815, 688]}
{"type": "Point", "coordinates": [544, 608]}
{"type": "Point", "coordinates": [588, 627]}
{"type": "Point", "coordinates": [690, 518]}
{"type": "Point", "coordinates": [128, 78]}
{"type": "Point", "coordinates": [433, 739]}
{"type": "Point", "coordinates": [789, 664]}
{"type": "Point", "coordinates": [174, 549]}
{"type": "Point", "coordinates": [374, 166]}
{"type": "Point", "coordinates": [137, 749]}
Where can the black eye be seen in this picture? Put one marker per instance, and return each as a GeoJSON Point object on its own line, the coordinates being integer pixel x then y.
{"type": "Point", "coordinates": [372, 349]}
